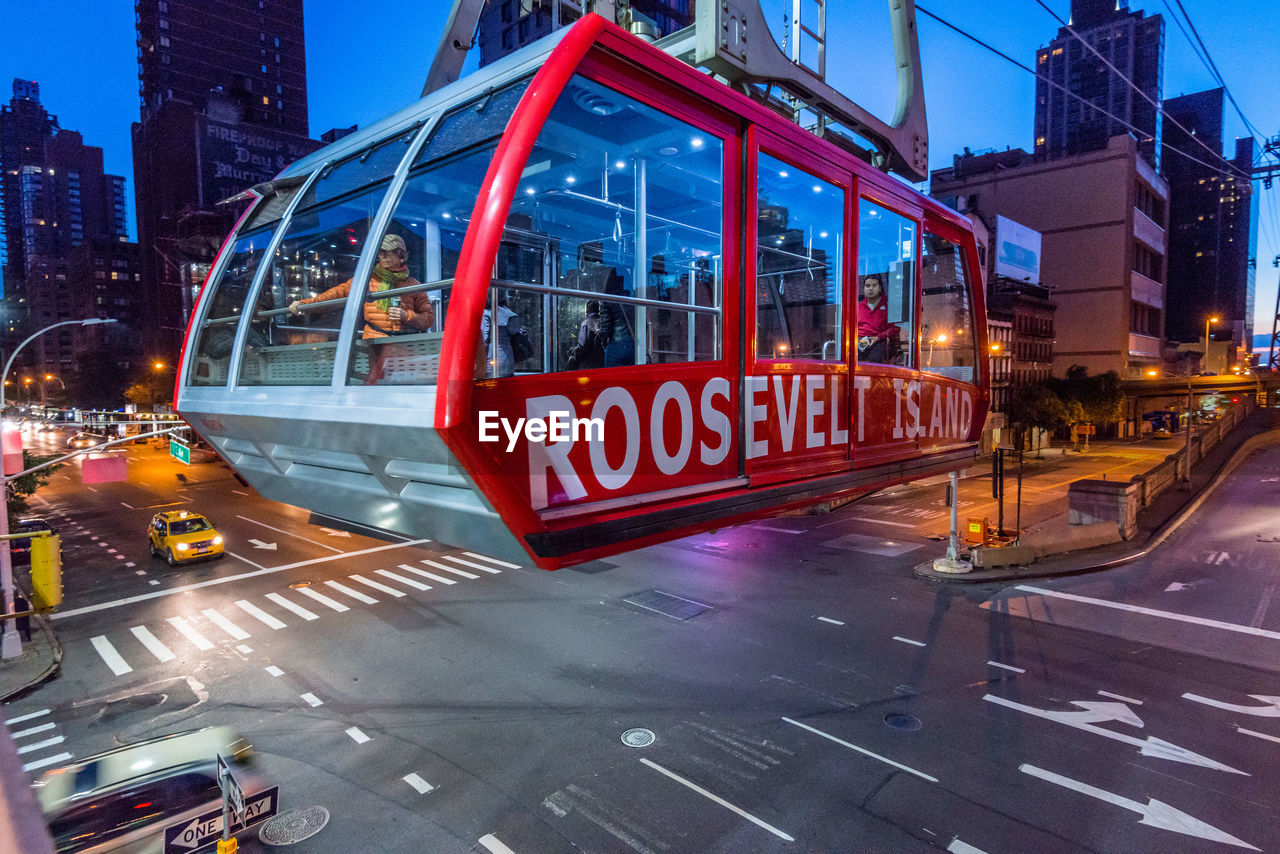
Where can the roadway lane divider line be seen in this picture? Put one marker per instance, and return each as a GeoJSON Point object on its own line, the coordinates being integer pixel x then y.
{"type": "Point", "coordinates": [862, 750]}
{"type": "Point", "coordinates": [460, 572]}
{"type": "Point", "coordinates": [48, 760]}
{"type": "Point", "coordinates": [109, 655]}
{"type": "Point", "coordinates": [41, 745]}
{"type": "Point", "coordinates": [323, 599]}
{"type": "Point", "coordinates": [494, 560]}
{"type": "Point", "coordinates": [357, 735]}
{"type": "Point", "coordinates": [1244, 731]}
{"type": "Point", "coordinates": [27, 717]}
{"type": "Point", "coordinates": [473, 564]}
{"type": "Point", "coordinates": [227, 579]}
{"type": "Point", "coordinates": [1006, 667]}
{"type": "Point", "coordinates": [1152, 612]}
{"type": "Point", "coordinates": [881, 522]}
{"type": "Point", "coordinates": [408, 582]}
{"type": "Point", "coordinates": [1120, 697]}
{"type": "Point", "coordinates": [390, 591]}
{"type": "Point", "coordinates": [354, 594]}
{"type": "Point", "coordinates": [153, 644]}
{"type": "Point", "coordinates": [202, 643]}
{"type": "Point", "coordinates": [289, 534]}
{"type": "Point", "coordinates": [257, 613]}
{"type": "Point", "coordinates": [494, 845]}
{"type": "Point", "coordinates": [719, 800]}
{"type": "Point", "coordinates": [226, 625]}
{"type": "Point", "coordinates": [311, 699]}
{"type": "Point", "coordinates": [421, 785]}
{"type": "Point", "coordinates": [244, 649]}
{"type": "Point", "coordinates": [292, 606]}
{"type": "Point", "coordinates": [831, 621]}
{"type": "Point", "coordinates": [438, 578]}
{"type": "Point", "coordinates": [274, 671]}
{"type": "Point", "coordinates": [909, 640]}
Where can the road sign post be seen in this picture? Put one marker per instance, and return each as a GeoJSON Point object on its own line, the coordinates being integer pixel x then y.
{"type": "Point", "coordinates": [204, 830]}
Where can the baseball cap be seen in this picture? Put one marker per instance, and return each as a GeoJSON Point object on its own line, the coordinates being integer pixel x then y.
{"type": "Point", "coordinates": [393, 241]}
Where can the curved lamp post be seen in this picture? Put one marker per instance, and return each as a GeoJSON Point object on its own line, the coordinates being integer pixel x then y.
{"type": "Point", "coordinates": [88, 321]}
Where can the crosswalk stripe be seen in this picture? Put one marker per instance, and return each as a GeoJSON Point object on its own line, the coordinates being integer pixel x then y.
{"type": "Point", "coordinates": [226, 625]}
{"type": "Point", "coordinates": [32, 731]}
{"type": "Point", "coordinates": [354, 594]}
{"type": "Point", "coordinates": [22, 718]}
{"type": "Point", "coordinates": [357, 735]}
{"type": "Point", "coordinates": [48, 760]}
{"type": "Point", "coordinates": [292, 606]}
{"type": "Point", "coordinates": [391, 591]}
{"type": "Point", "coordinates": [201, 642]}
{"type": "Point", "coordinates": [112, 658]}
{"type": "Point", "coordinates": [473, 564]}
{"type": "Point", "coordinates": [152, 643]}
{"type": "Point", "coordinates": [257, 613]}
{"type": "Point", "coordinates": [416, 585]}
{"type": "Point", "coordinates": [493, 560]}
{"type": "Point", "coordinates": [452, 569]}
{"type": "Point", "coordinates": [426, 574]}
{"type": "Point", "coordinates": [40, 745]}
{"type": "Point", "coordinates": [323, 599]}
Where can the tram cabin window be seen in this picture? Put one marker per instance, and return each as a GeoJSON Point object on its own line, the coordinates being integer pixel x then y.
{"type": "Point", "coordinates": [217, 333]}
{"type": "Point", "coordinates": [947, 344]}
{"type": "Point", "coordinates": [620, 203]}
{"type": "Point", "coordinates": [887, 252]}
{"type": "Point", "coordinates": [799, 293]}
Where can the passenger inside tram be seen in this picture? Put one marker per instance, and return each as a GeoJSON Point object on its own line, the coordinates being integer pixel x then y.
{"type": "Point", "coordinates": [886, 253]}
{"type": "Point", "coordinates": [877, 337]}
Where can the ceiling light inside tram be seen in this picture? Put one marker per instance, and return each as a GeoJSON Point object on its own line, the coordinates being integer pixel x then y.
{"type": "Point", "coordinates": [571, 180]}
{"type": "Point", "coordinates": [696, 142]}
{"type": "Point", "coordinates": [620, 165]}
{"type": "Point", "coordinates": [528, 191]}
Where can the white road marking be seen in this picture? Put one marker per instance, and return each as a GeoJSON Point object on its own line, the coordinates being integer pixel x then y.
{"type": "Point", "coordinates": [1006, 667]}
{"type": "Point", "coordinates": [289, 534]}
{"type": "Point", "coordinates": [376, 586]}
{"type": "Point", "coordinates": [154, 583]}
{"type": "Point", "coordinates": [226, 625]}
{"type": "Point", "coordinates": [31, 716]}
{"type": "Point", "coordinates": [1122, 699]}
{"type": "Point", "coordinates": [323, 599]}
{"type": "Point", "coordinates": [40, 745]}
{"type": "Point", "coordinates": [862, 750]}
{"type": "Point", "coordinates": [238, 492]}
{"type": "Point", "coordinates": [112, 658]}
{"type": "Point", "coordinates": [958, 847]}
{"type": "Point", "coordinates": [1151, 612]}
{"type": "Point", "coordinates": [357, 736]}
{"type": "Point", "coordinates": [32, 731]}
{"type": "Point", "coordinates": [1263, 604]}
{"type": "Point", "coordinates": [910, 641]}
{"type": "Point", "coordinates": [1244, 731]}
{"type": "Point", "coordinates": [831, 621]}
{"type": "Point", "coordinates": [226, 579]}
{"type": "Point", "coordinates": [426, 574]}
{"type": "Point", "coordinates": [409, 582]}
{"type": "Point", "coordinates": [274, 671]}
{"type": "Point", "coordinates": [131, 564]}
{"type": "Point", "coordinates": [1270, 707]}
{"type": "Point", "coordinates": [244, 648]}
{"type": "Point", "coordinates": [257, 613]}
{"type": "Point", "coordinates": [881, 522]}
{"type": "Point", "coordinates": [295, 608]}
{"type": "Point", "coordinates": [151, 642]}
{"type": "Point", "coordinates": [512, 565]}
{"type": "Point", "coordinates": [48, 760]}
{"type": "Point", "coordinates": [129, 506]}
{"type": "Point", "coordinates": [354, 594]}
{"type": "Point", "coordinates": [473, 564]}
{"type": "Point", "coordinates": [494, 845]}
{"type": "Point", "coordinates": [719, 800]}
{"type": "Point", "coordinates": [421, 785]}
{"type": "Point", "coordinates": [140, 572]}
{"type": "Point", "coordinates": [201, 642]}
{"type": "Point", "coordinates": [311, 699]}
{"type": "Point", "coordinates": [454, 570]}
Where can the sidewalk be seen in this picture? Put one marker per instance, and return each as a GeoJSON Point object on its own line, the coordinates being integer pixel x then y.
{"type": "Point", "coordinates": [1155, 522]}
{"type": "Point", "coordinates": [40, 659]}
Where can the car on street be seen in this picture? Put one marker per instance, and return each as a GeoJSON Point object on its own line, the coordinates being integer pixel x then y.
{"type": "Point", "coordinates": [20, 549]}
{"type": "Point", "coordinates": [181, 536]}
{"type": "Point", "coordinates": [123, 799]}
{"type": "Point", "coordinates": [84, 440]}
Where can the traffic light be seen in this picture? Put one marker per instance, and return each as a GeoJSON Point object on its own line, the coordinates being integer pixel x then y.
{"type": "Point", "coordinates": [46, 572]}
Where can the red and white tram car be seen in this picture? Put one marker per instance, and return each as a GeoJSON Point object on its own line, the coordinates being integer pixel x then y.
{"type": "Point", "coordinates": [720, 248]}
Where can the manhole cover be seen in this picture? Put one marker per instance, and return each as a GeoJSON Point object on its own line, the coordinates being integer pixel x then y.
{"type": "Point", "coordinates": [638, 738]}
{"type": "Point", "coordinates": [902, 721]}
{"type": "Point", "coordinates": [294, 826]}
{"type": "Point", "coordinates": [295, 585]}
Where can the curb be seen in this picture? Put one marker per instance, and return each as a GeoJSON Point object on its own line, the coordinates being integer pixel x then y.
{"type": "Point", "coordinates": [49, 672]}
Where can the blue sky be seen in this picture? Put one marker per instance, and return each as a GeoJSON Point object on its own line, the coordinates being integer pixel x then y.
{"type": "Point", "coordinates": [367, 59]}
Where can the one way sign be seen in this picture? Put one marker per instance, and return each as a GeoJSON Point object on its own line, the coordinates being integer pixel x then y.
{"type": "Point", "coordinates": [207, 828]}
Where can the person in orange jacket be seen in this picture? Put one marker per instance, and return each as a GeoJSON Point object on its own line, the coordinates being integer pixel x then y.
{"type": "Point", "coordinates": [399, 314]}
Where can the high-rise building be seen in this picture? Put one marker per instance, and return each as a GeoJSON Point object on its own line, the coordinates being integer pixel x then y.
{"type": "Point", "coordinates": [508, 25]}
{"type": "Point", "coordinates": [24, 127]}
{"type": "Point", "coordinates": [1083, 91]}
{"type": "Point", "coordinates": [223, 107]}
{"type": "Point", "coordinates": [1212, 222]}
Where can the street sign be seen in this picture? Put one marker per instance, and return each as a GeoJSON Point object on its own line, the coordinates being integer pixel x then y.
{"type": "Point", "coordinates": [231, 791]}
{"type": "Point", "coordinates": [207, 828]}
{"type": "Point", "coordinates": [179, 451]}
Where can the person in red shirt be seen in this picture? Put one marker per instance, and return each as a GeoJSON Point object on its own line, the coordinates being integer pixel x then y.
{"type": "Point", "coordinates": [874, 329]}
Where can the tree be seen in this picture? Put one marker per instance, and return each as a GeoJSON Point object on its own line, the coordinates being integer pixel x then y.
{"type": "Point", "coordinates": [1036, 405]}
{"type": "Point", "coordinates": [142, 394]}
{"type": "Point", "coordinates": [1099, 398]}
{"type": "Point", "coordinates": [20, 489]}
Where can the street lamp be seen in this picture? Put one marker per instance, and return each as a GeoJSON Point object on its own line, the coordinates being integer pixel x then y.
{"type": "Point", "coordinates": [10, 645]}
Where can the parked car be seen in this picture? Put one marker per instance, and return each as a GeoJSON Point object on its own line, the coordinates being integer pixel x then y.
{"type": "Point", "coordinates": [180, 536]}
{"type": "Point", "coordinates": [21, 549]}
{"type": "Point", "coordinates": [84, 440]}
{"type": "Point", "coordinates": [123, 799]}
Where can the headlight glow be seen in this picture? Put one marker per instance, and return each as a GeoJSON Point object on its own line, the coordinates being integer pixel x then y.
{"type": "Point", "coordinates": [217, 541]}
{"type": "Point", "coordinates": [182, 547]}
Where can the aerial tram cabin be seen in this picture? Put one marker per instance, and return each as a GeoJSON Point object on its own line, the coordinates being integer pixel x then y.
{"type": "Point", "coordinates": [722, 247]}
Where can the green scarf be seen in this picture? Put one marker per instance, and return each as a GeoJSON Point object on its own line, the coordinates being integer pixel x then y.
{"type": "Point", "coordinates": [385, 280]}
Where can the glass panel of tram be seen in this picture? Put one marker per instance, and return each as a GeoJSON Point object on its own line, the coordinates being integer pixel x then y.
{"type": "Point", "coordinates": [947, 342]}
{"type": "Point", "coordinates": [799, 220]}
{"type": "Point", "coordinates": [611, 255]}
{"type": "Point", "coordinates": [294, 328]}
{"type": "Point", "coordinates": [886, 283]}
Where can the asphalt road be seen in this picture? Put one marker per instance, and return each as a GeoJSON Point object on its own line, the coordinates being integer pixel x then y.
{"type": "Point", "coordinates": [805, 691]}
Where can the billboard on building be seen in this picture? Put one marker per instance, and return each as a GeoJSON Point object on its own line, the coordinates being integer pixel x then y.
{"type": "Point", "coordinates": [1017, 251]}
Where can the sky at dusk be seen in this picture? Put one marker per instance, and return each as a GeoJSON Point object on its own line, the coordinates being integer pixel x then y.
{"type": "Point", "coordinates": [367, 59]}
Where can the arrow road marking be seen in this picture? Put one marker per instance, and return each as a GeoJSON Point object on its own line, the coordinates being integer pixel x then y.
{"type": "Point", "coordinates": [1154, 813]}
{"type": "Point", "coordinates": [1270, 709]}
{"type": "Point", "coordinates": [259, 544]}
{"type": "Point", "coordinates": [1095, 713]}
{"type": "Point", "coordinates": [331, 532]}
{"type": "Point", "coordinates": [289, 534]}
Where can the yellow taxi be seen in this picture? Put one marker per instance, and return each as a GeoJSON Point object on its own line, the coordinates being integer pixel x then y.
{"type": "Point", "coordinates": [180, 536]}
